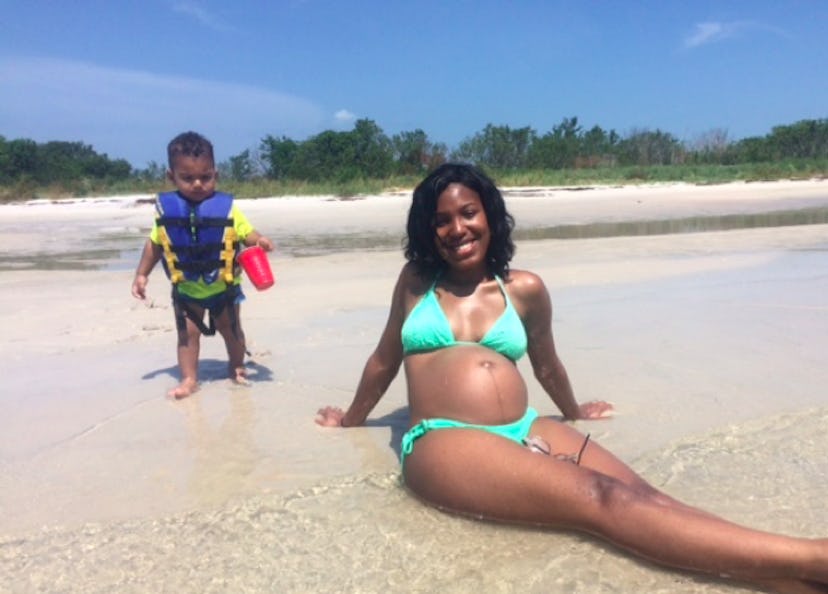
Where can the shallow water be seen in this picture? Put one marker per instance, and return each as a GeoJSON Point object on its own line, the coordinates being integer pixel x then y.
{"type": "Point", "coordinates": [366, 534]}
{"type": "Point", "coordinates": [117, 248]}
{"type": "Point", "coordinates": [696, 224]}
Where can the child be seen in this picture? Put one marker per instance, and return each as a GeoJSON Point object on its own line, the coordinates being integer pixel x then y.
{"type": "Point", "coordinates": [197, 231]}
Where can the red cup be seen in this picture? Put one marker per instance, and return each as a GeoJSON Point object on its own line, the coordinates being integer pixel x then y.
{"type": "Point", "coordinates": [254, 262]}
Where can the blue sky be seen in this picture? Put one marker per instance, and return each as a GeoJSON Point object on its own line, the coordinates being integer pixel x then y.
{"type": "Point", "coordinates": [126, 77]}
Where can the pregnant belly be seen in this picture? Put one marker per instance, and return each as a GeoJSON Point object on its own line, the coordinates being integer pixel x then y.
{"type": "Point", "coordinates": [467, 383]}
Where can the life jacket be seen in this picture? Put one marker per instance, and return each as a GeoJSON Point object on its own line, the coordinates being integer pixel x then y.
{"type": "Point", "coordinates": [198, 239]}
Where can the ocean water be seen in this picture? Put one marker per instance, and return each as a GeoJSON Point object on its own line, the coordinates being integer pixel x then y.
{"type": "Point", "coordinates": [367, 534]}
{"type": "Point", "coordinates": [67, 245]}
{"type": "Point", "coordinates": [364, 532]}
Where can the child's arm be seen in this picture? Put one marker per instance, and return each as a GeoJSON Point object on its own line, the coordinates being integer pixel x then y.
{"type": "Point", "coordinates": [149, 258]}
{"type": "Point", "coordinates": [256, 238]}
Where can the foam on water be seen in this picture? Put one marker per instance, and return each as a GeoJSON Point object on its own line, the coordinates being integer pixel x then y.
{"type": "Point", "coordinates": [367, 534]}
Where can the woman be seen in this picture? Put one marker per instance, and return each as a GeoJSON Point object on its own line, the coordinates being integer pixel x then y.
{"type": "Point", "coordinates": [459, 320]}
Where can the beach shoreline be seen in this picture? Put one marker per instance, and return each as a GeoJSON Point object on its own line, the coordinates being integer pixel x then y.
{"type": "Point", "coordinates": [686, 333]}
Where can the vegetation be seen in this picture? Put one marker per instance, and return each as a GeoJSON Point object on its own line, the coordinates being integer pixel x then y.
{"type": "Point", "coordinates": [366, 160]}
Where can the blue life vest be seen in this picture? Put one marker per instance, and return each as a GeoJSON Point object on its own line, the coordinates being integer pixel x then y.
{"type": "Point", "coordinates": [198, 238]}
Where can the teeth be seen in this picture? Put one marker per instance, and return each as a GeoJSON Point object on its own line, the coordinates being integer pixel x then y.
{"type": "Point", "coordinates": [463, 247]}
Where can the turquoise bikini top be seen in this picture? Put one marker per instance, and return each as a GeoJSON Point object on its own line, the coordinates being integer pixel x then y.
{"type": "Point", "coordinates": [427, 328]}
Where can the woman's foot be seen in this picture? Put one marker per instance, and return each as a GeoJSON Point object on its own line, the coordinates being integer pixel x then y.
{"type": "Point", "coordinates": [186, 388]}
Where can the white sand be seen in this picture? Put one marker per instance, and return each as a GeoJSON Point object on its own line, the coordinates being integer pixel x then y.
{"type": "Point", "coordinates": [683, 332]}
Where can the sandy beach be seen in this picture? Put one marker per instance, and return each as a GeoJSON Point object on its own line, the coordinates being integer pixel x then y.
{"type": "Point", "coordinates": [701, 312]}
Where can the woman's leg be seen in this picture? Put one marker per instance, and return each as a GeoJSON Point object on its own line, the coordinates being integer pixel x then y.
{"type": "Point", "coordinates": [476, 473]}
{"type": "Point", "coordinates": [567, 443]}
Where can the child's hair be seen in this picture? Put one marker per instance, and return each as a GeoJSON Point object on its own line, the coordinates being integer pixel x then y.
{"type": "Point", "coordinates": [189, 144]}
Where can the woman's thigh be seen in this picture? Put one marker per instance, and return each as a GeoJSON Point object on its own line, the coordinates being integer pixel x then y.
{"type": "Point", "coordinates": [476, 473]}
{"type": "Point", "coordinates": [566, 442]}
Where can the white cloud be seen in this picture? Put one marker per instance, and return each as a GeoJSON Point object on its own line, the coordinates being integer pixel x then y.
{"type": "Point", "coordinates": [714, 32]}
{"type": "Point", "coordinates": [132, 114]}
{"type": "Point", "coordinates": [344, 116]}
{"type": "Point", "coordinates": [705, 33]}
{"type": "Point", "coordinates": [193, 9]}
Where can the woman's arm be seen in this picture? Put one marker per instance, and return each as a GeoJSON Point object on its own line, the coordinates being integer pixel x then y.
{"type": "Point", "coordinates": [547, 366]}
{"type": "Point", "coordinates": [380, 369]}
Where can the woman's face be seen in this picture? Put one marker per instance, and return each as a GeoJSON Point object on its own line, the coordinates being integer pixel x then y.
{"type": "Point", "coordinates": [461, 229]}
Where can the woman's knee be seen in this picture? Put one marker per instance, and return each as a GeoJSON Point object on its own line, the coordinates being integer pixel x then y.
{"type": "Point", "coordinates": [607, 496]}
{"type": "Point", "coordinates": [612, 496]}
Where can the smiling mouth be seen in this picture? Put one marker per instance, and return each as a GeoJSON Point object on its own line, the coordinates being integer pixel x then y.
{"type": "Point", "coordinates": [462, 248]}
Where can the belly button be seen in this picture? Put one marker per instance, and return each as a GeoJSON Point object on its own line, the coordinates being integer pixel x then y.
{"type": "Point", "coordinates": [487, 364]}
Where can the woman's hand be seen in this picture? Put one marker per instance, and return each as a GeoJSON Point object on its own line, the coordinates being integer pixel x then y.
{"type": "Point", "coordinates": [330, 416]}
{"type": "Point", "coordinates": [595, 409]}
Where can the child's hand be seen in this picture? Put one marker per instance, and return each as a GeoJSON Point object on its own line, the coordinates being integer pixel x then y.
{"type": "Point", "coordinates": [139, 286]}
{"type": "Point", "coordinates": [264, 243]}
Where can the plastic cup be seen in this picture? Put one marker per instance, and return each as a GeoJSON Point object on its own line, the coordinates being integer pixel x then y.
{"type": "Point", "coordinates": [254, 262]}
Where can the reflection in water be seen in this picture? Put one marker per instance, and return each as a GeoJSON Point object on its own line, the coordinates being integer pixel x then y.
{"type": "Point", "coordinates": [367, 534]}
{"type": "Point", "coordinates": [314, 245]}
{"type": "Point", "coordinates": [697, 224]}
{"type": "Point", "coordinates": [121, 251]}
{"type": "Point", "coordinates": [80, 260]}
{"type": "Point", "coordinates": [318, 245]}
{"type": "Point", "coordinates": [224, 455]}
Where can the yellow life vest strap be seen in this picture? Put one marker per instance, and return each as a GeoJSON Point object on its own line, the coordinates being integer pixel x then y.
{"type": "Point", "coordinates": [176, 275]}
{"type": "Point", "coordinates": [228, 255]}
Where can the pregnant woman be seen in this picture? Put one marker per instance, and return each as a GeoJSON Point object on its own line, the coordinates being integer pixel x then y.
{"type": "Point", "coordinates": [459, 320]}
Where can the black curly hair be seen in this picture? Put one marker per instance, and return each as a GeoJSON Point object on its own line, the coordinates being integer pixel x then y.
{"type": "Point", "coordinates": [419, 244]}
{"type": "Point", "coordinates": [188, 144]}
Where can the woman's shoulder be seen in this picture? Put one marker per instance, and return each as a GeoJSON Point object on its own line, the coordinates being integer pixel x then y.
{"type": "Point", "coordinates": [524, 283]}
{"type": "Point", "coordinates": [411, 281]}
{"type": "Point", "coordinates": [529, 295]}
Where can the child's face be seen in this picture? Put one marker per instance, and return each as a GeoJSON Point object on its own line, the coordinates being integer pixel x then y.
{"type": "Point", "coordinates": [195, 177]}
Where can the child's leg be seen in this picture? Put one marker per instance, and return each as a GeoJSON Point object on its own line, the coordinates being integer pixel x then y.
{"type": "Point", "coordinates": [189, 342]}
{"type": "Point", "coordinates": [234, 341]}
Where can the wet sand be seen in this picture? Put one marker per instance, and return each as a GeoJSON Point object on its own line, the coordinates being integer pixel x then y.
{"type": "Point", "coordinates": [705, 342]}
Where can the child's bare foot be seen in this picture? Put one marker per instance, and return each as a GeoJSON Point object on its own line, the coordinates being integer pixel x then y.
{"type": "Point", "coordinates": [239, 375]}
{"type": "Point", "coordinates": [186, 388]}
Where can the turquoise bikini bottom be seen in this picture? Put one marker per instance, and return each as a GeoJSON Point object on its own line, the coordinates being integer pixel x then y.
{"type": "Point", "coordinates": [516, 431]}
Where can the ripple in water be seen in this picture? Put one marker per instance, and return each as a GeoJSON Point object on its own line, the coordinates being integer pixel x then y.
{"type": "Point", "coordinates": [367, 534]}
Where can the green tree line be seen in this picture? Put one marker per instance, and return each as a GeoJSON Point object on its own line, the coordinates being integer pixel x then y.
{"type": "Point", "coordinates": [367, 153]}
{"type": "Point", "coordinates": [56, 162]}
